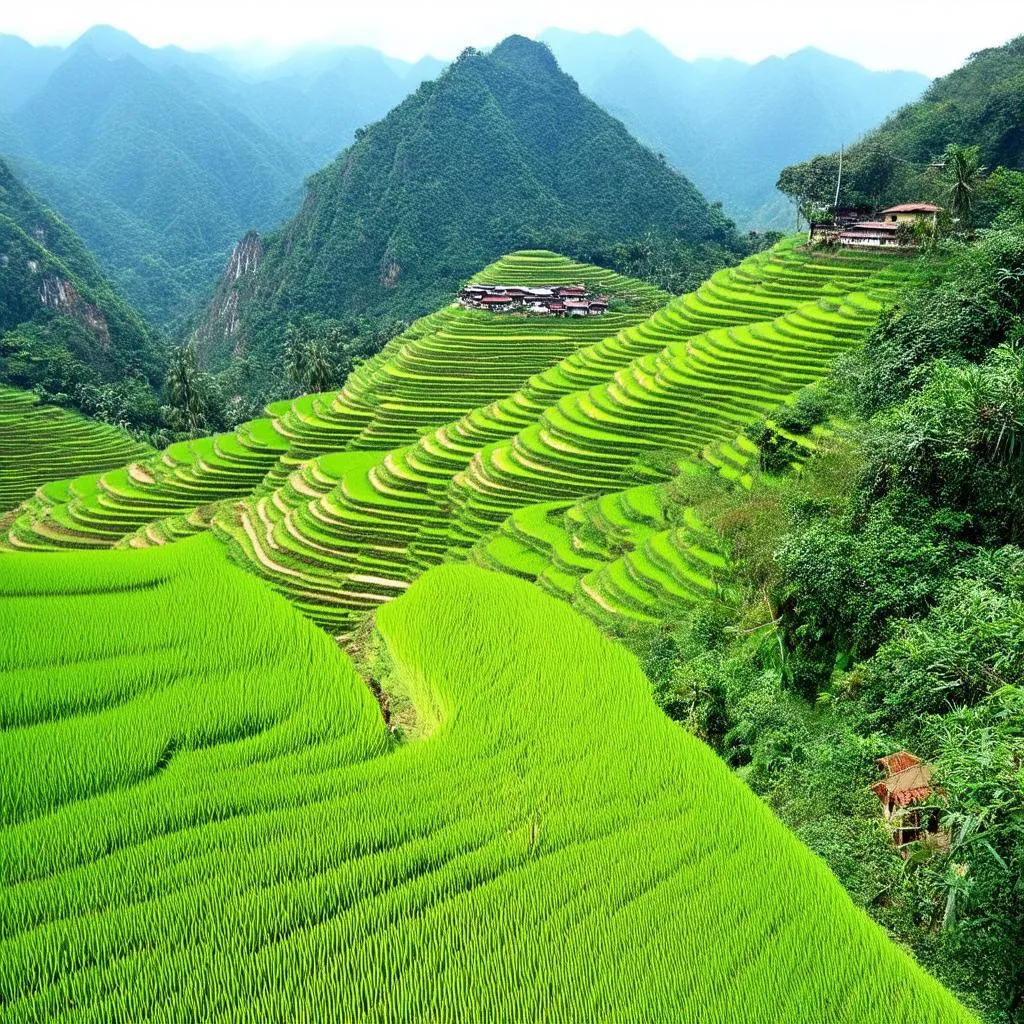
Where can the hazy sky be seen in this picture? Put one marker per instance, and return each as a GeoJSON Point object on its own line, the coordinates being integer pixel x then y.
{"type": "Point", "coordinates": [932, 36]}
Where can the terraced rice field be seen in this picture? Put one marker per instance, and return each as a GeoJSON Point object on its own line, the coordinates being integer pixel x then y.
{"type": "Point", "coordinates": [41, 443]}
{"type": "Point", "coordinates": [446, 364]}
{"type": "Point", "coordinates": [210, 822]}
{"type": "Point", "coordinates": [572, 432]}
{"type": "Point", "coordinates": [469, 418]}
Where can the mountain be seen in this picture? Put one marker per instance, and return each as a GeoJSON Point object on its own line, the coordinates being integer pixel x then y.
{"type": "Point", "coordinates": [501, 152]}
{"type": "Point", "coordinates": [64, 329]}
{"type": "Point", "coordinates": [981, 103]}
{"type": "Point", "coordinates": [162, 158]}
{"type": "Point", "coordinates": [23, 69]}
{"type": "Point", "coordinates": [731, 127]}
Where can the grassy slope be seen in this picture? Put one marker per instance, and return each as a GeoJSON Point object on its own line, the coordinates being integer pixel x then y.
{"type": "Point", "coordinates": [557, 849]}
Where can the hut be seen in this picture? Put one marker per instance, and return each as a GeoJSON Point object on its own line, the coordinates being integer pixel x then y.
{"type": "Point", "coordinates": [911, 213]}
{"type": "Point", "coordinates": [907, 785]}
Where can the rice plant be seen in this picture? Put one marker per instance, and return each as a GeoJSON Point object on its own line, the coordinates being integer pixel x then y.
{"type": "Point", "coordinates": [208, 821]}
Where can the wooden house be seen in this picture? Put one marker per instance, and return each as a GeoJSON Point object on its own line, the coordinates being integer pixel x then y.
{"type": "Point", "coordinates": [907, 785]}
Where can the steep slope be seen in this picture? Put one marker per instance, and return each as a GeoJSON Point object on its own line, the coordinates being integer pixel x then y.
{"type": "Point", "coordinates": [211, 823]}
{"type": "Point", "coordinates": [731, 127]}
{"type": "Point", "coordinates": [980, 104]}
{"type": "Point", "coordinates": [62, 324]}
{"type": "Point", "coordinates": [502, 151]}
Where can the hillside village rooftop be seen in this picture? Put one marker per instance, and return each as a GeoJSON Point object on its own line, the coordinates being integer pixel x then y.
{"type": "Point", "coordinates": [553, 300]}
{"type": "Point", "coordinates": [853, 227]}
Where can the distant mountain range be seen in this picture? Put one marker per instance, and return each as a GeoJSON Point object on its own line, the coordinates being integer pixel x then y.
{"type": "Point", "coordinates": [731, 127]}
{"type": "Point", "coordinates": [501, 152]}
{"type": "Point", "coordinates": [163, 158]}
{"type": "Point", "coordinates": [980, 104]}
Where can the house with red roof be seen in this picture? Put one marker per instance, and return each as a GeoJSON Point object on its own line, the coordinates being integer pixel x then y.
{"type": "Point", "coordinates": [903, 793]}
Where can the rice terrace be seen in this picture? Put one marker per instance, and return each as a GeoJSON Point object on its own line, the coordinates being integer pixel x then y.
{"type": "Point", "coordinates": [625, 628]}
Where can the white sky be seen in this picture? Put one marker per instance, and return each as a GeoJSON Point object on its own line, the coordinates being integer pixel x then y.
{"type": "Point", "coordinates": [933, 36]}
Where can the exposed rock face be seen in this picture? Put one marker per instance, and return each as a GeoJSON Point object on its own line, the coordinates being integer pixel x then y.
{"type": "Point", "coordinates": [219, 334]}
{"type": "Point", "coordinates": [245, 257]}
{"type": "Point", "coordinates": [60, 295]}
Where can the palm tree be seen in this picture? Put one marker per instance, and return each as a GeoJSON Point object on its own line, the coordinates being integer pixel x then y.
{"type": "Point", "coordinates": [184, 384]}
{"type": "Point", "coordinates": [962, 175]}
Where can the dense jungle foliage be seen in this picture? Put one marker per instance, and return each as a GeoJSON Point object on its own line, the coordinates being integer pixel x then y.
{"type": "Point", "coordinates": [883, 610]}
{"type": "Point", "coordinates": [980, 104]}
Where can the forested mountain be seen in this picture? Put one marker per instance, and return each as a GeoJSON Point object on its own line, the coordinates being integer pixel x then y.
{"type": "Point", "coordinates": [980, 104]}
{"type": "Point", "coordinates": [162, 158]}
{"type": "Point", "coordinates": [731, 127]}
{"type": "Point", "coordinates": [501, 152]}
{"type": "Point", "coordinates": [64, 329]}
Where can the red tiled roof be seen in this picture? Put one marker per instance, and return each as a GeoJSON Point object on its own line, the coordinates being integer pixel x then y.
{"type": "Point", "coordinates": [898, 762]}
{"type": "Point", "coordinates": [913, 208]}
{"type": "Point", "coordinates": [495, 300]}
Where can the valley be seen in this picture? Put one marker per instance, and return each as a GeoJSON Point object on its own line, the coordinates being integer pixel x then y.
{"type": "Point", "coordinates": [510, 590]}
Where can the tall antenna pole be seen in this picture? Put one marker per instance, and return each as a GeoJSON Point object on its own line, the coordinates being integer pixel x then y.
{"type": "Point", "coordinates": [839, 180]}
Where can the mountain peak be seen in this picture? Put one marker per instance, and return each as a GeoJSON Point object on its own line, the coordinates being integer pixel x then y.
{"type": "Point", "coordinates": [503, 152]}
{"type": "Point", "coordinates": [525, 53]}
{"type": "Point", "coordinates": [108, 41]}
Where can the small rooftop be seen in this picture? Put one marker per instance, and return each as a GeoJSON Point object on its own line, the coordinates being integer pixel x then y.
{"type": "Point", "coordinates": [909, 779]}
{"type": "Point", "coordinates": [913, 208]}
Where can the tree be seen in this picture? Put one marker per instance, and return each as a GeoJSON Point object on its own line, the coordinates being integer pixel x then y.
{"type": "Point", "coordinates": [812, 185]}
{"type": "Point", "coordinates": [186, 393]}
{"type": "Point", "coordinates": [962, 178]}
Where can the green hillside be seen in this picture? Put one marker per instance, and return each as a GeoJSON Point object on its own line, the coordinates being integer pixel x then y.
{"type": "Point", "coordinates": [64, 329]}
{"type": "Point", "coordinates": [500, 152]}
{"type": "Point", "coordinates": [468, 417]}
{"type": "Point", "coordinates": [198, 825]}
{"type": "Point", "coordinates": [979, 104]}
{"type": "Point", "coordinates": [41, 443]}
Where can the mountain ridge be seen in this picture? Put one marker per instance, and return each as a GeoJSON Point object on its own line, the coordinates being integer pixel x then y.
{"type": "Point", "coordinates": [730, 126]}
{"type": "Point", "coordinates": [502, 152]}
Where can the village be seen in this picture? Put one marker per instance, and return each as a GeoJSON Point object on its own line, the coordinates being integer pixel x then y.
{"type": "Point", "coordinates": [854, 227]}
{"type": "Point", "coordinates": [558, 300]}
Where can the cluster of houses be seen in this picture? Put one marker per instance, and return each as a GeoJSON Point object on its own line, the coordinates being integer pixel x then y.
{"type": "Point", "coordinates": [858, 228]}
{"type": "Point", "coordinates": [558, 300]}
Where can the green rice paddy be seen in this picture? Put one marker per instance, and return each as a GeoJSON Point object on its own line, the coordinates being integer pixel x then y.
{"type": "Point", "coordinates": [210, 821]}
{"type": "Point", "coordinates": [40, 444]}
{"type": "Point", "coordinates": [434, 446]}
